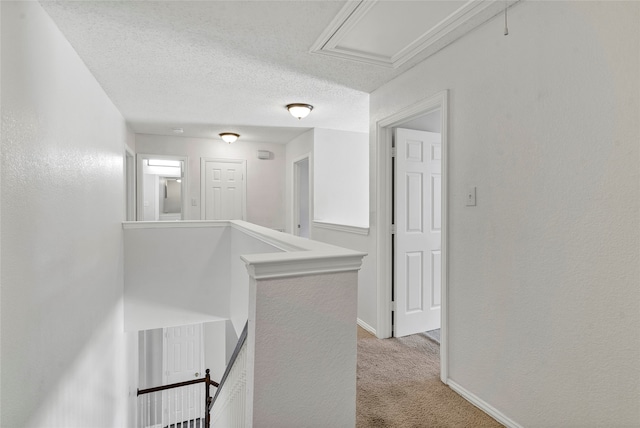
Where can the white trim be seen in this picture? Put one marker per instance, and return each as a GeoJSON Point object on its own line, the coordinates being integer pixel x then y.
{"type": "Point", "coordinates": [130, 203]}
{"type": "Point", "coordinates": [483, 405]}
{"type": "Point", "coordinates": [457, 24]}
{"type": "Point", "coordinates": [279, 244]}
{"type": "Point", "coordinates": [173, 224]}
{"type": "Point", "coordinates": [284, 265]}
{"type": "Point", "coordinates": [341, 227]}
{"type": "Point", "coordinates": [343, 16]}
{"type": "Point", "coordinates": [367, 327]}
{"type": "Point", "coordinates": [384, 208]}
{"type": "Point", "coordinates": [243, 163]}
{"type": "Point", "coordinates": [184, 189]}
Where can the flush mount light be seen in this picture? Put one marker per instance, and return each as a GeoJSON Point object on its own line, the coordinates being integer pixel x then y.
{"type": "Point", "coordinates": [229, 137]}
{"type": "Point", "coordinates": [299, 110]}
{"type": "Point", "coordinates": [177, 130]}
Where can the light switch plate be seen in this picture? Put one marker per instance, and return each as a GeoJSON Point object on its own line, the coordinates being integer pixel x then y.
{"type": "Point", "coordinates": [471, 197]}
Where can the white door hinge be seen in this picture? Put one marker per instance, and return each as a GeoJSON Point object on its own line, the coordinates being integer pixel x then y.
{"type": "Point", "coordinates": [393, 152]}
{"type": "Point", "coordinates": [393, 229]}
{"type": "Point", "coordinates": [394, 307]}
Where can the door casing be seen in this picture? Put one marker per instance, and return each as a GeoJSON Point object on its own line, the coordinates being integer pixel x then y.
{"type": "Point", "coordinates": [130, 184]}
{"type": "Point", "coordinates": [384, 209]}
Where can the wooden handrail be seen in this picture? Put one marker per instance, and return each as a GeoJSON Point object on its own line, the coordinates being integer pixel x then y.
{"type": "Point", "coordinates": [170, 386]}
{"type": "Point", "coordinates": [236, 351]}
{"type": "Point", "coordinates": [206, 380]}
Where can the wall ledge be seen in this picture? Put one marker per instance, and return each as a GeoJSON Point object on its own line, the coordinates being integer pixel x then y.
{"type": "Point", "coordinates": [284, 265]}
{"type": "Point", "coordinates": [172, 224]}
{"type": "Point", "coordinates": [298, 256]}
{"type": "Point", "coordinates": [341, 227]}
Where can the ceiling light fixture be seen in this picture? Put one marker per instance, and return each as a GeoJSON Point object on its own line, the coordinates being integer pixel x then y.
{"type": "Point", "coordinates": [177, 130]}
{"type": "Point", "coordinates": [299, 110]}
{"type": "Point", "coordinates": [229, 137]}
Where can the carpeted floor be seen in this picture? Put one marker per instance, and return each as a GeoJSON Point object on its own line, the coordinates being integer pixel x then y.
{"type": "Point", "coordinates": [433, 334]}
{"type": "Point", "coordinates": [399, 386]}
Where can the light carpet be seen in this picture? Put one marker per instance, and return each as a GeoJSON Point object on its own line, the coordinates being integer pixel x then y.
{"type": "Point", "coordinates": [399, 386]}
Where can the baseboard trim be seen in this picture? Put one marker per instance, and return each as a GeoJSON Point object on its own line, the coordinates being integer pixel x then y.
{"type": "Point", "coordinates": [483, 405]}
{"type": "Point", "coordinates": [367, 327]}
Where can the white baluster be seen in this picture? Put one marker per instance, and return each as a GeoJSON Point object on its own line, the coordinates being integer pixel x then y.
{"type": "Point", "coordinates": [148, 412]}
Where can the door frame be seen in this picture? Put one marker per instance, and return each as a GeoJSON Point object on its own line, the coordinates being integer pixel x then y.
{"type": "Point", "coordinates": [203, 184]}
{"type": "Point", "coordinates": [294, 197]}
{"type": "Point", "coordinates": [140, 157]}
{"type": "Point", "coordinates": [130, 204]}
{"type": "Point", "coordinates": [384, 182]}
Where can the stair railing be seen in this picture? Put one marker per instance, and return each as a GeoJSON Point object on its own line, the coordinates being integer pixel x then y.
{"type": "Point", "coordinates": [150, 418]}
{"type": "Point", "coordinates": [228, 405]}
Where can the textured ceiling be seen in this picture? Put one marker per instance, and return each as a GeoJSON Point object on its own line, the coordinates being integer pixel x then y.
{"type": "Point", "coordinates": [208, 66]}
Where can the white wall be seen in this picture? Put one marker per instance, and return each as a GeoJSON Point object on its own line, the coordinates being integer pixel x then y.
{"type": "Point", "coordinates": [341, 177]}
{"type": "Point", "coordinates": [176, 276]}
{"type": "Point", "coordinates": [63, 346]}
{"type": "Point", "coordinates": [367, 309]}
{"type": "Point", "coordinates": [131, 140]}
{"type": "Point", "coordinates": [265, 177]}
{"type": "Point", "coordinates": [242, 244]}
{"type": "Point", "coordinates": [544, 295]}
{"type": "Point", "coordinates": [302, 336]}
{"type": "Point", "coordinates": [431, 122]}
{"type": "Point", "coordinates": [214, 335]}
{"type": "Point", "coordinates": [299, 146]}
{"type": "Point", "coordinates": [305, 144]}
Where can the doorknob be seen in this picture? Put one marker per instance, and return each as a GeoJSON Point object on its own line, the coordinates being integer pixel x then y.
{"type": "Point", "coordinates": [197, 374]}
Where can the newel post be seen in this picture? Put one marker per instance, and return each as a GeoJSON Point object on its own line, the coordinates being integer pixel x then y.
{"type": "Point", "coordinates": [207, 420]}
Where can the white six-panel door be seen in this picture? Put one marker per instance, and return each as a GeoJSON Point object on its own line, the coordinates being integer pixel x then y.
{"type": "Point", "coordinates": [417, 244]}
{"type": "Point", "coordinates": [183, 362]}
{"type": "Point", "coordinates": [224, 190]}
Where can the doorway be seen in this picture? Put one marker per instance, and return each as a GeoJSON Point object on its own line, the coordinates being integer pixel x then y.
{"type": "Point", "coordinates": [417, 206]}
{"type": "Point", "coordinates": [167, 356]}
{"type": "Point", "coordinates": [162, 187]}
{"type": "Point", "coordinates": [387, 301]}
{"type": "Point", "coordinates": [223, 189]}
{"type": "Point", "coordinates": [301, 198]}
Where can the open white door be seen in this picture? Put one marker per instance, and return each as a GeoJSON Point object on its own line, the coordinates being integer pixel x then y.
{"type": "Point", "coordinates": [417, 255]}
{"type": "Point", "coordinates": [184, 360]}
{"type": "Point", "coordinates": [223, 189]}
